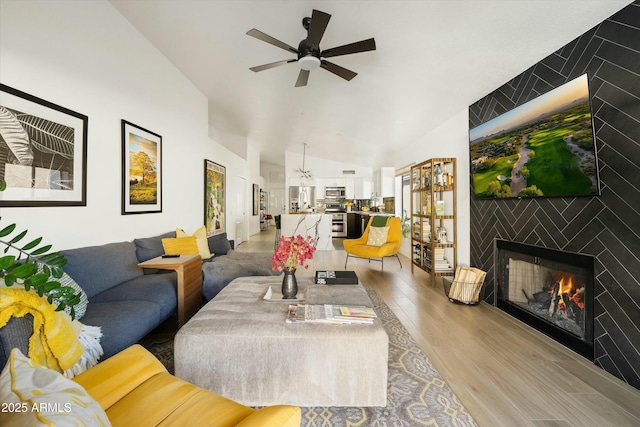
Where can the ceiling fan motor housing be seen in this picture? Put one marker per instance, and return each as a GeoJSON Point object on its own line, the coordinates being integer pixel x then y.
{"type": "Point", "coordinates": [308, 55]}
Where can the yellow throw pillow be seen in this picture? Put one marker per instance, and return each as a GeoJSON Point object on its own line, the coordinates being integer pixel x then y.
{"type": "Point", "coordinates": [201, 240]}
{"type": "Point", "coordinates": [180, 246]}
{"type": "Point", "coordinates": [377, 236]}
{"type": "Point", "coordinates": [36, 396]}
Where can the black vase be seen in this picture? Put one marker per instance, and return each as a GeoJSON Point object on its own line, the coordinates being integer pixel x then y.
{"type": "Point", "coordinates": [289, 284]}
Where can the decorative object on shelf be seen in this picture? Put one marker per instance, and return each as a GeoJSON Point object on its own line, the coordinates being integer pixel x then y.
{"type": "Point", "coordinates": [48, 145]}
{"type": "Point", "coordinates": [141, 170]}
{"type": "Point", "coordinates": [441, 234]}
{"type": "Point", "coordinates": [214, 198]}
{"type": "Point", "coordinates": [292, 252]}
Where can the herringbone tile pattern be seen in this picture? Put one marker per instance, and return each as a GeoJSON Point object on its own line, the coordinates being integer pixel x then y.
{"type": "Point", "coordinates": [608, 226]}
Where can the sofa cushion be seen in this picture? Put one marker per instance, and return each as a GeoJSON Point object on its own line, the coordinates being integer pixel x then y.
{"type": "Point", "coordinates": [60, 401]}
{"type": "Point", "coordinates": [219, 244]}
{"type": "Point", "coordinates": [122, 322]}
{"type": "Point", "coordinates": [158, 288]}
{"type": "Point", "coordinates": [98, 268]}
{"type": "Point", "coordinates": [151, 247]}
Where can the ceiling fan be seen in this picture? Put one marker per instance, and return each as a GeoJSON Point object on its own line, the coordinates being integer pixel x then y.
{"type": "Point", "coordinates": [309, 54]}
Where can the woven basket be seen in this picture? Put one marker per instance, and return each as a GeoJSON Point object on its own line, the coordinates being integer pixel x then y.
{"type": "Point", "coordinates": [466, 285]}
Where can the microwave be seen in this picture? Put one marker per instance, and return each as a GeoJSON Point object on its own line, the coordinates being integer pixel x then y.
{"type": "Point", "coordinates": [334, 192]}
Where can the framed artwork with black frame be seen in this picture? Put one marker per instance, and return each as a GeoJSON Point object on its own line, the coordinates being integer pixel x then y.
{"type": "Point", "coordinates": [43, 152]}
{"type": "Point", "coordinates": [214, 198]}
{"type": "Point", "coordinates": [141, 170]}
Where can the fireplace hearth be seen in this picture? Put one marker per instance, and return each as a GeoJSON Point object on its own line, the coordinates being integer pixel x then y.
{"type": "Point", "coordinates": [548, 289]}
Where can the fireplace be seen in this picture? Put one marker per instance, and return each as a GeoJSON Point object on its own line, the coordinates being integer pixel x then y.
{"type": "Point", "coordinates": [548, 289]}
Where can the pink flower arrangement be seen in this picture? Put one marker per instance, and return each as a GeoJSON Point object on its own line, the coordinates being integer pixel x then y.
{"type": "Point", "coordinates": [292, 252]}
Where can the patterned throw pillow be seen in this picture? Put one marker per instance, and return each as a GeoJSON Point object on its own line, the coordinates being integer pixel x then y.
{"type": "Point", "coordinates": [377, 236]}
{"type": "Point", "coordinates": [37, 396]}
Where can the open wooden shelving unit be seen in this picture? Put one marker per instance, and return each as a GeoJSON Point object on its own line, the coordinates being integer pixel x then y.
{"type": "Point", "coordinates": [433, 209]}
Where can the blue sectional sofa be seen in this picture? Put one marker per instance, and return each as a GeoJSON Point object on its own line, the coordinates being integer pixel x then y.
{"type": "Point", "coordinates": [128, 302]}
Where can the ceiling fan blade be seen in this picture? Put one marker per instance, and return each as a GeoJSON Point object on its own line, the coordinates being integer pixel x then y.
{"type": "Point", "coordinates": [267, 38]}
{"type": "Point", "coordinates": [338, 70]}
{"type": "Point", "coordinates": [319, 22]}
{"type": "Point", "coordinates": [347, 49]}
{"type": "Point", "coordinates": [303, 77]}
{"type": "Point", "coordinates": [271, 65]}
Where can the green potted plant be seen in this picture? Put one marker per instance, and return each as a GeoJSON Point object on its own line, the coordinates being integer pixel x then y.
{"type": "Point", "coordinates": [33, 266]}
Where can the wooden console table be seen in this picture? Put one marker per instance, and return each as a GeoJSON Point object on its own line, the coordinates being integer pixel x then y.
{"type": "Point", "coordinates": [189, 270]}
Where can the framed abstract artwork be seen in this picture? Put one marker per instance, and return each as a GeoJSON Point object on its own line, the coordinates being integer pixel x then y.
{"type": "Point", "coordinates": [141, 170]}
{"type": "Point", "coordinates": [214, 198]}
{"type": "Point", "coordinates": [43, 152]}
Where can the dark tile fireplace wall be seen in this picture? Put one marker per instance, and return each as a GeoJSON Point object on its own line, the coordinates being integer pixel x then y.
{"type": "Point", "coordinates": [607, 226]}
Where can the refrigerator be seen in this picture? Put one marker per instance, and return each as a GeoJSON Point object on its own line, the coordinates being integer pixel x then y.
{"type": "Point", "coordinates": [302, 198]}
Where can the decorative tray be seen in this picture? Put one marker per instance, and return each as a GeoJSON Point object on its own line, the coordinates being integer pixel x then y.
{"type": "Point", "coordinates": [274, 294]}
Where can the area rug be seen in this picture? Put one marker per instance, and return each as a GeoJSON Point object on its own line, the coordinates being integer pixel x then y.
{"type": "Point", "coordinates": [417, 394]}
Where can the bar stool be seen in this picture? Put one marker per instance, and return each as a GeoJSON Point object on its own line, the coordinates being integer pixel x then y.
{"type": "Point", "coordinates": [278, 231]}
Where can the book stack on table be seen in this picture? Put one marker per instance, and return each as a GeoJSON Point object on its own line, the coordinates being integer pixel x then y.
{"type": "Point", "coordinates": [336, 278]}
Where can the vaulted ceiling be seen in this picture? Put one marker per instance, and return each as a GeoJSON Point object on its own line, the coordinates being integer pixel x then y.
{"type": "Point", "coordinates": [433, 59]}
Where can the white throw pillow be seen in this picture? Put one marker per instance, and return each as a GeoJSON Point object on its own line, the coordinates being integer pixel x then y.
{"type": "Point", "coordinates": [377, 236]}
{"type": "Point", "coordinates": [37, 396]}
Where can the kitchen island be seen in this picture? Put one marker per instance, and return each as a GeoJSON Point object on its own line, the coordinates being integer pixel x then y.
{"type": "Point", "coordinates": [318, 226]}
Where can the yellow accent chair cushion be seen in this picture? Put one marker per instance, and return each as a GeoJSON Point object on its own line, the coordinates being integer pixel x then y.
{"type": "Point", "coordinates": [362, 247]}
{"type": "Point", "coordinates": [135, 389]}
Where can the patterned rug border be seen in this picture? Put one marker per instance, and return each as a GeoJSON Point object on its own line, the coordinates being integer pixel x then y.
{"type": "Point", "coordinates": [417, 394]}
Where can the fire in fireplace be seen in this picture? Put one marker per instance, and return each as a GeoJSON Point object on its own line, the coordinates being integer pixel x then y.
{"type": "Point", "coordinates": [550, 290]}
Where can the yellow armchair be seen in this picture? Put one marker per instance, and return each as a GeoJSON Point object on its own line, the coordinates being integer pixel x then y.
{"type": "Point", "coordinates": [360, 249]}
{"type": "Point", "coordinates": [135, 389]}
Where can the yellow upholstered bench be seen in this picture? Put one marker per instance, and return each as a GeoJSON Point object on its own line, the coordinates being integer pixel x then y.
{"type": "Point", "coordinates": [135, 389]}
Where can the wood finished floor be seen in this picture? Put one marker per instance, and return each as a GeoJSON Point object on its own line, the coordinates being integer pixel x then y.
{"type": "Point", "coordinates": [504, 372]}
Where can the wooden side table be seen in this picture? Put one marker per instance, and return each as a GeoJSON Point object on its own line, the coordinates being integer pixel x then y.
{"type": "Point", "coordinates": [189, 270]}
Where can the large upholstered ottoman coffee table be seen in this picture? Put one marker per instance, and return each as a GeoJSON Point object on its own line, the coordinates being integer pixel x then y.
{"type": "Point", "coordinates": [240, 346]}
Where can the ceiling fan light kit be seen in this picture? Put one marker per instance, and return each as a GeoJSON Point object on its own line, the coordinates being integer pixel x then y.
{"type": "Point", "coordinates": [309, 54]}
{"type": "Point", "coordinates": [309, 63]}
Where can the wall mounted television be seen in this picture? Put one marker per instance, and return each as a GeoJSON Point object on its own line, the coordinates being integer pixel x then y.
{"type": "Point", "coordinates": [543, 148]}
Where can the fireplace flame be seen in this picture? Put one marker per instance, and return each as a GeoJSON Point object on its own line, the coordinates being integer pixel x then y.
{"type": "Point", "coordinates": [567, 289]}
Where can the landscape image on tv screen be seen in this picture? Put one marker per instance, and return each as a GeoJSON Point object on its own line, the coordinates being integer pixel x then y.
{"type": "Point", "coordinates": [543, 148]}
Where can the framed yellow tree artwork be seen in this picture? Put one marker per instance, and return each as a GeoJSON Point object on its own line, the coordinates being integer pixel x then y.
{"type": "Point", "coordinates": [141, 170]}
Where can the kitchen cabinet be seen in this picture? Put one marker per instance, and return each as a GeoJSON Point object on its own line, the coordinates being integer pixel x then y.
{"type": "Point", "coordinates": [384, 182]}
{"type": "Point", "coordinates": [349, 189]}
{"type": "Point", "coordinates": [320, 185]}
{"type": "Point", "coordinates": [334, 182]}
{"type": "Point", "coordinates": [362, 188]}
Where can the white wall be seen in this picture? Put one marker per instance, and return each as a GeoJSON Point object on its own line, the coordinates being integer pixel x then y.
{"type": "Point", "coordinates": [86, 57]}
{"type": "Point", "coordinates": [450, 139]}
